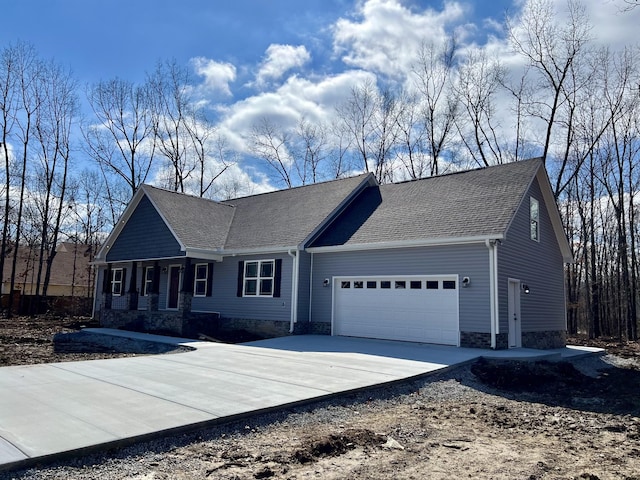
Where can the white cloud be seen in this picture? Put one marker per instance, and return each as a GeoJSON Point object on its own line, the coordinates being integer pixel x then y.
{"type": "Point", "coordinates": [386, 34]}
{"type": "Point", "coordinates": [279, 60]}
{"type": "Point", "coordinates": [217, 75]}
{"type": "Point", "coordinates": [314, 99]}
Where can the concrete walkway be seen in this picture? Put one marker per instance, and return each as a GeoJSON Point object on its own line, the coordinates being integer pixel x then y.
{"type": "Point", "coordinates": [60, 409]}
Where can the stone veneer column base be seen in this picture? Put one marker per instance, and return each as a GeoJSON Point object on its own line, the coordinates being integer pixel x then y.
{"type": "Point", "coordinates": [545, 340]}
{"type": "Point", "coordinates": [483, 340]}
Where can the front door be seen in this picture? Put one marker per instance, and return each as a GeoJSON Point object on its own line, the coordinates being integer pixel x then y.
{"type": "Point", "coordinates": [174, 286]}
{"type": "Point", "coordinates": [515, 324]}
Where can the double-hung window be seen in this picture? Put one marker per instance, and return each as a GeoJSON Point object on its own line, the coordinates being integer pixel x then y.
{"type": "Point", "coordinates": [117, 279]}
{"type": "Point", "coordinates": [535, 219]}
{"type": "Point", "coordinates": [147, 282]}
{"type": "Point", "coordinates": [200, 280]}
{"type": "Point", "coordinates": [259, 278]}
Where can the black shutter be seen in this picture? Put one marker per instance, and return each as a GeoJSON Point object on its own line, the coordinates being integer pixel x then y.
{"type": "Point", "coordinates": [209, 279]}
{"type": "Point", "coordinates": [240, 278]}
{"type": "Point", "coordinates": [277, 277]}
{"type": "Point", "coordinates": [106, 280]}
{"type": "Point", "coordinates": [123, 289]}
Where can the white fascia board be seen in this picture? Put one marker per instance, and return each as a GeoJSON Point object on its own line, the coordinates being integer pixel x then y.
{"type": "Point", "coordinates": [256, 251]}
{"type": "Point", "coordinates": [102, 262]}
{"type": "Point", "coordinates": [406, 244]}
{"type": "Point", "coordinates": [203, 254]}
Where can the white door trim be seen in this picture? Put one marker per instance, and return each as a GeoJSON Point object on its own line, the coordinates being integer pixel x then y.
{"type": "Point", "coordinates": [514, 313]}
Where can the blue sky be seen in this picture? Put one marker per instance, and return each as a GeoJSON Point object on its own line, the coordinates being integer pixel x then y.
{"type": "Point", "coordinates": [254, 58]}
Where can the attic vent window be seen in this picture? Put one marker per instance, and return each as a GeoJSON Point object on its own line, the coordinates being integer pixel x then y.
{"type": "Point", "coordinates": [535, 219]}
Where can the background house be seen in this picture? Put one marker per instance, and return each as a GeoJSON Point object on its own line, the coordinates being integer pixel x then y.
{"type": "Point", "coordinates": [70, 286]}
{"type": "Point", "coordinates": [472, 258]}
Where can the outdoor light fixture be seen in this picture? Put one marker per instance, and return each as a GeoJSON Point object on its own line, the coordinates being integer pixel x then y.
{"type": "Point", "coordinates": [326, 282]}
{"type": "Point", "coordinates": [465, 282]}
{"type": "Point", "coordinates": [525, 288]}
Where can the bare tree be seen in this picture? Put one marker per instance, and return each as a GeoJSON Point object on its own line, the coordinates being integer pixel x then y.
{"type": "Point", "coordinates": [272, 144]}
{"type": "Point", "coordinates": [434, 75]}
{"type": "Point", "coordinates": [120, 139]}
{"type": "Point", "coordinates": [553, 49]}
{"type": "Point", "coordinates": [371, 118]}
{"type": "Point", "coordinates": [478, 83]}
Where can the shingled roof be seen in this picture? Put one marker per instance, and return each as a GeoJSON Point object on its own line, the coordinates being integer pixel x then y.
{"type": "Point", "coordinates": [352, 212]}
{"type": "Point", "coordinates": [196, 222]}
{"type": "Point", "coordinates": [475, 203]}
{"type": "Point", "coordinates": [287, 218]}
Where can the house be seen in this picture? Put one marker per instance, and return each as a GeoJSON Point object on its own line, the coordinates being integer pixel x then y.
{"type": "Point", "coordinates": [71, 275]}
{"type": "Point", "coordinates": [473, 259]}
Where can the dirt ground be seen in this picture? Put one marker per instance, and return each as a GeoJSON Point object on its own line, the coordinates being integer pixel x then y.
{"type": "Point", "coordinates": [490, 419]}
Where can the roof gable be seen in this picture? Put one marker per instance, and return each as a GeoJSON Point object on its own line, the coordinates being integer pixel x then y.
{"type": "Point", "coordinates": [474, 204]}
{"type": "Point", "coordinates": [286, 218]}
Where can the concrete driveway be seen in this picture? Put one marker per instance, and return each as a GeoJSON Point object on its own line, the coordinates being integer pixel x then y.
{"type": "Point", "coordinates": [64, 408]}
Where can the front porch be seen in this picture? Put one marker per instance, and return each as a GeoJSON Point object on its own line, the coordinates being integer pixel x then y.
{"type": "Point", "coordinates": [157, 297]}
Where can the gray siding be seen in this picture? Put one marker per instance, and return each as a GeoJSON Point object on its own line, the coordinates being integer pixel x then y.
{"type": "Point", "coordinates": [225, 301]}
{"type": "Point", "coordinates": [144, 236]}
{"type": "Point", "coordinates": [464, 260]}
{"type": "Point", "coordinates": [537, 264]}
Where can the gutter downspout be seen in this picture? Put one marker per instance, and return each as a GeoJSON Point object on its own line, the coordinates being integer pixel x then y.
{"type": "Point", "coordinates": [492, 245]}
{"type": "Point", "coordinates": [294, 289]}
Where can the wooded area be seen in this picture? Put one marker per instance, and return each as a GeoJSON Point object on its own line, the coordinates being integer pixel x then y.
{"type": "Point", "coordinates": [576, 106]}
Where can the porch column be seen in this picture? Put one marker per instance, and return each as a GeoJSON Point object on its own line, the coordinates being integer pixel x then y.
{"type": "Point", "coordinates": [154, 294]}
{"type": "Point", "coordinates": [186, 294]}
{"type": "Point", "coordinates": [107, 296]}
{"type": "Point", "coordinates": [132, 294]}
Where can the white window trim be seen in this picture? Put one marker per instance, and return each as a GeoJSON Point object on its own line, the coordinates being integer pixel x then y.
{"type": "Point", "coordinates": [116, 282]}
{"type": "Point", "coordinates": [258, 278]}
{"type": "Point", "coordinates": [147, 283]}
{"type": "Point", "coordinates": [535, 201]}
{"type": "Point", "coordinates": [205, 279]}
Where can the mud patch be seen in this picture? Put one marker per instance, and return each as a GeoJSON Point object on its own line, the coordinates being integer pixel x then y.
{"type": "Point", "coordinates": [337, 444]}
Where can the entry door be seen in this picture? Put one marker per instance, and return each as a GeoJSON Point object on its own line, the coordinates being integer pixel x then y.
{"type": "Point", "coordinates": [174, 286]}
{"type": "Point", "coordinates": [515, 324]}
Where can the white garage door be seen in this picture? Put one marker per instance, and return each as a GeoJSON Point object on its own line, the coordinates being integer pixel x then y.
{"type": "Point", "coordinates": [411, 308]}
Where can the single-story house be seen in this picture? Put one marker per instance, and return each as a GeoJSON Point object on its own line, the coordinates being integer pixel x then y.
{"type": "Point", "coordinates": [472, 258]}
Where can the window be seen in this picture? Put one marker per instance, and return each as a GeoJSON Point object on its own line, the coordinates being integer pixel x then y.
{"type": "Point", "coordinates": [535, 219]}
{"type": "Point", "coordinates": [259, 278]}
{"type": "Point", "coordinates": [449, 284]}
{"type": "Point", "coordinates": [147, 281]}
{"type": "Point", "coordinates": [200, 280]}
{"type": "Point", "coordinates": [358, 284]}
{"type": "Point", "coordinates": [401, 284]}
{"type": "Point", "coordinates": [432, 284]}
{"type": "Point", "coordinates": [415, 284]}
{"type": "Point", "coordinates": [385, 284]}
{"type": "Point", "coordinates": [345, 285]}
{"type": "Point", "coordinates": [117, 280]}
{"type": "Point", "coordinates": [372, 284]}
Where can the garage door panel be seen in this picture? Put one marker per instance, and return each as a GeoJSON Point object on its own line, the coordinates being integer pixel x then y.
{"type": "Point", "coordinates": [410, 314]}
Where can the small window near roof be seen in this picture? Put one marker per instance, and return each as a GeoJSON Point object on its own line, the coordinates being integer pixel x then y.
{"type": "Point", "coordinates": [535, 219]}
